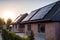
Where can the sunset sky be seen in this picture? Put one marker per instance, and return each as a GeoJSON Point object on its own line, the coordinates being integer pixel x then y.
{"type": "Point", "coordinates": [13, 8]}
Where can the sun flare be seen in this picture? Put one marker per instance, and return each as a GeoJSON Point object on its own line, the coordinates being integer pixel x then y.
{"type": "Point", "coordinates": [8, 14]}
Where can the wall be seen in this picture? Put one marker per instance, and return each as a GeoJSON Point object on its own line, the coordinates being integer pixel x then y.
{"type": "Point", "coordinates": [26, 30]}
{"type": "Point", "coordinates": [34, 27]}
{"type": "Point", "coordinates": [52, 30]}
{"type": "Point", "coordinates": [15, 28]}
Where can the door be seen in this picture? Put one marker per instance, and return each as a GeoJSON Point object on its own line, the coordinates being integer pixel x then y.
{"type": "Point", "coordinates": [41, 31]}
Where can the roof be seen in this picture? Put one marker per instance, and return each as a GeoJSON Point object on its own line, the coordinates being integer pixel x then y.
{"type": "Point", "coordinates": [50, 12]}
{"type": "Point", "coordinates": [31, 15]}
{"type": "Point", "coordinates": [19, 19]}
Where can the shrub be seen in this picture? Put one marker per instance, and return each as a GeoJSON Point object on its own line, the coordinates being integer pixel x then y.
{"type": "Point", "coordinates": [31, 36]}
{"type": "Point", "coordinates": [7, 35]}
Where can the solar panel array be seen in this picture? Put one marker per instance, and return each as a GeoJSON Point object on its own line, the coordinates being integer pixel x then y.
{"type": "Point", "coordinates": [30, 15]}
{"type": "Point", "coordinates": [56, 17]}
{"type": "Point", "coordinates": [42, 12]}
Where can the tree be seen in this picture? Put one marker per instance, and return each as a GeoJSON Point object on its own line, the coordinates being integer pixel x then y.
{"type": "Point", "coordinates": [8, 22]}
{"type": "Point", "coordinates": [2, 22]}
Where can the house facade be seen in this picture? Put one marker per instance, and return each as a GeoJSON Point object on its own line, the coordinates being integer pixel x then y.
{"type": "Point", "coordinates": [44, 22]}
{"type": "Point", "coordinates": [16, 25]}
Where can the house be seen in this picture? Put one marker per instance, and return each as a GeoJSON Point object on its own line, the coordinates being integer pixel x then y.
{"type": "Point", "coordinates": [16, 26]}
{"type": "Point", "coordinates": [44, 22]}
{"type": "Point", "coordinates": [5, 26]}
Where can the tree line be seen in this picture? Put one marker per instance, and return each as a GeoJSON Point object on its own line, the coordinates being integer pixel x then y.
{"type": "Point", "coordinates": [3, 22]}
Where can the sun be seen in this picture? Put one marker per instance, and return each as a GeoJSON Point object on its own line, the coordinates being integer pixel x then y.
{"type": "Point", "coordinates": [8, 14]}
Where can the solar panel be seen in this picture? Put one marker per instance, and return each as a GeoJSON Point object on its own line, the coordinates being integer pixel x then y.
{"type": "Point", "coordinates": [58, 11]}
{"type": "Point", "coordinates": [21, 18]}
{"type": "Point", "coordinates": [30, 15]}
{"type": "Point", "coordinates": [42, 12]}
{"type": "Point", "coordinates": [57, 15]}
{"type": "Point", "coordinates": [17, 19]}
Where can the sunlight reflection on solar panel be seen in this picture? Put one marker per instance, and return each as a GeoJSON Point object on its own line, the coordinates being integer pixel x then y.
{"type": "Point", "coordinates": [17, 19]}
{"type": "Point", "coordinates": [30, 15]}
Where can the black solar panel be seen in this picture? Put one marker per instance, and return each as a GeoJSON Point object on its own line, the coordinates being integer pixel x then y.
{"type": "Point", "coordinates": [30, 15]}
{"type": "Point", "coordinates": [42, 12]}
{"type": "Point", "coordinates": [22, 17]}
{"type": "Point", "coordinates": [56, 16]}
{"type": "Point", "coordinates": [58, 10]}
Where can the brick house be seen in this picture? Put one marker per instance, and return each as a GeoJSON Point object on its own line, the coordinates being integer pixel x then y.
{"type": "Point", "coordinates": [16, 25]}
{"type": "Point", "coordinates": [44, 22]}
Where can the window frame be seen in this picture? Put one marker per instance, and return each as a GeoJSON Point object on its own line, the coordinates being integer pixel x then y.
{"type": "Point", "coordinates": [41, 28]}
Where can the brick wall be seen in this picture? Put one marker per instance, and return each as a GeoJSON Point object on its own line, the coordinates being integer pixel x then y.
{"type": "Point", "coordinates": [51, 30]}
{"type": "Point", "coordinates": [26, 30]}
{"type": "Point", "coordinates": [34, 28]}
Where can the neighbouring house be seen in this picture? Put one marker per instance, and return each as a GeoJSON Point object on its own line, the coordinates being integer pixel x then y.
{"type": "Point", "coordinates": [5, 26]}
{"type": "Point", "coordinates": [16, 26]}
{"type": "Point", "coordinates": [44, 22]}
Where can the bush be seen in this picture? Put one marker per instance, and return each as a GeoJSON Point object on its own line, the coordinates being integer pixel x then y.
{"type": "Point", "coordinates": [31, 36]}
{"type": "Point", "coordinates": [7, 35]}
{"type": "Point", "coordinates": [1, 27]}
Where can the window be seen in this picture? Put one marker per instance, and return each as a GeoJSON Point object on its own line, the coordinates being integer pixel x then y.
{"type": "Point", "coordinates": [29, 27]}
{"type": "Point", "coordinates": [41, 28]}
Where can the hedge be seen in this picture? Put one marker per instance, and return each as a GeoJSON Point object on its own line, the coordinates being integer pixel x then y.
{"type": "Point", "coordinates": [8, 35]}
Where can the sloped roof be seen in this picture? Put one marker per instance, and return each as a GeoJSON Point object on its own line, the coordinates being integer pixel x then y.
{"type": "Point", "coordinates": [42, 12]}
{"type": "Point", "coordinates": [31, 14]}
{"type": "Point", "coordinates": [19, 19]}
{"type": "Point", "coordinates": [50, 12]}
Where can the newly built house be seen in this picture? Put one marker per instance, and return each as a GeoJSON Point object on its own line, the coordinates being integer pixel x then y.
{"type": "Point", "coordinates": [44, 22]}
{"type": "Point", "coordinates": [16, 25]}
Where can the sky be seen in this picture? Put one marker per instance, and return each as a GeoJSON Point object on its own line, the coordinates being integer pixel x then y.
{"type": "Point", "coordinates": [17, 7]}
